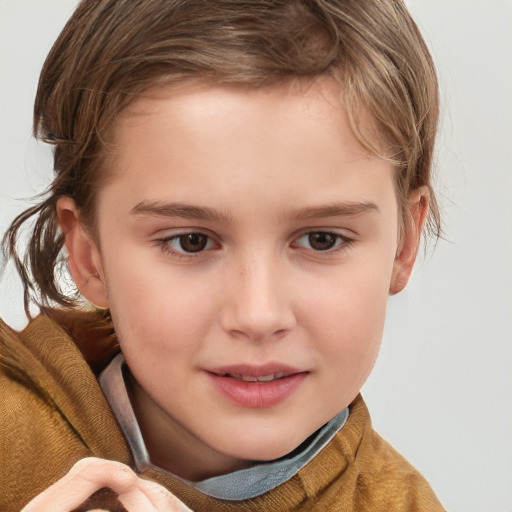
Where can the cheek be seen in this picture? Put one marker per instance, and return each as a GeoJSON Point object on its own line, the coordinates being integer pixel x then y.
{"type": "Point", "coordinates": [348, 320]}
{"type": "Point", "coordinates": [355, 322]}
{"type": "Point", "coordinates": [156, 308]}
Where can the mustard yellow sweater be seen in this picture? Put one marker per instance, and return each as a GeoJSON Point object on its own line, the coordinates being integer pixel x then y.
{"type": "Point", "coordinates": [53, 413]}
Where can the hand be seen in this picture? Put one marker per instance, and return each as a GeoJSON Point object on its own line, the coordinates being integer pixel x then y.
{"type": "Point", "coordinates": [89, 475]}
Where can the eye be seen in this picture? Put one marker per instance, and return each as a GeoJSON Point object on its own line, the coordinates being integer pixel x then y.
{"type": "Point", "coordinates": [192, 242]}
{"type": "Point", "coordinates": [186, 243]}
{"type": "Point", "coordinates": [321, 240]}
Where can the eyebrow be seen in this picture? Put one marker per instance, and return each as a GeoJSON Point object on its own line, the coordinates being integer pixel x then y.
{"type": "Point", "coordinates": [341, 209]}
{"type": "Point", "coordinates": [185, 211]}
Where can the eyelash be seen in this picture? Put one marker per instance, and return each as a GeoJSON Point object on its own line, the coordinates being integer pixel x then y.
{"type": "Point", "coordinates": [166, 247]}
{"type": "Point", "coordinates": [342, 243]}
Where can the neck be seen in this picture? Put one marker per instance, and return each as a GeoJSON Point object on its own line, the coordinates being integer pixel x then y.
{"type": "Point", "coordinates": [172, 447]}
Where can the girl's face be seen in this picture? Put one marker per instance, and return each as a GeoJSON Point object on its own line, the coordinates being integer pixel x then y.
{"type": "Point", "coordinates": [246, 247]}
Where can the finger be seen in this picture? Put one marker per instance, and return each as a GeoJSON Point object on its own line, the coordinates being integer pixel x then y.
{"type": "Point", "coordinates": [135, 500]}
{"type": "Point", "coordinates": [104, 499]}
{"type": "Point", "coordinates": [106, 473]}
{"type": "Point", "coordinates": [161, 498]}
{"type": "Point", "coordinates": [85, 477]}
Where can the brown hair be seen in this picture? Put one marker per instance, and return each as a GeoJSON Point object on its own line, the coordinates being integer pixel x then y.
{"type": "Point", "coordinates": [112, 50]}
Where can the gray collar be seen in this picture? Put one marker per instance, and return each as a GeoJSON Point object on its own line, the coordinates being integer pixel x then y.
{"type": "Point", "coordinates": [239, 485]}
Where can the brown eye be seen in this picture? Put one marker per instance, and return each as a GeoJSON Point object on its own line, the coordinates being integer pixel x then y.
{"type": "Point", "coordinates": [193, 242]}
{"type": "Point", "coordinates": [322, 241]}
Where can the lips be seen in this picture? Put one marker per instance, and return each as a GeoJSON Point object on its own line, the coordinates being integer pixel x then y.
{"type": "Point", "coordinates": [256, 386]}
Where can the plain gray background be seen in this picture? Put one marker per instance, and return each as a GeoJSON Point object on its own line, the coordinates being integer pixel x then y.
{"type": "Point", "coordinates": [441, 391]}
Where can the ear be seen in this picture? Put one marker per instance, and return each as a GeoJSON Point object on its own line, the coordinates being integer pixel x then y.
{"type": "Point", "coordinates": [409, 242]}
{"type": "Point", "coordinates": [84, 259]}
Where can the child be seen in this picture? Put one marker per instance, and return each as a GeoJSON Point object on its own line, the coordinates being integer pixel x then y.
{"type": "Point", "coordinates": [239, 186]}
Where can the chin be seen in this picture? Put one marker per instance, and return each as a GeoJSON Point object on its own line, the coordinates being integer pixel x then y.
{"type": "Point", "coordinates": [264, 447]}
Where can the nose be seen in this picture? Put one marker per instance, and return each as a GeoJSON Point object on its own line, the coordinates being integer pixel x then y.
{"type": "Point", "coordinates": [258, 305]}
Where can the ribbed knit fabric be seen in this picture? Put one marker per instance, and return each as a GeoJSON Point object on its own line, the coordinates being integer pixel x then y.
{"type": "Point", "coordinates": [53, 413]}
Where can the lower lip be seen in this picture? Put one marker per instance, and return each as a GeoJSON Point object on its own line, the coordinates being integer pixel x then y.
{"type": "Point", "coordinates": [257, 395]}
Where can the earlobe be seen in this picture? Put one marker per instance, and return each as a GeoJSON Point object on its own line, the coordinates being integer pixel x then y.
{"type": "Point", "coordinates": [409, 242]}
{"type": "Point", "coordinates": [84, 259]}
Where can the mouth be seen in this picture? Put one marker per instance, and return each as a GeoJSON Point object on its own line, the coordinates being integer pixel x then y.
{"type": "Point", "coordinates": [258, 378]}
{"type": "Point", "coordinates": [256, 373]}
{"type": "Point", "coordinates": [257, 386]}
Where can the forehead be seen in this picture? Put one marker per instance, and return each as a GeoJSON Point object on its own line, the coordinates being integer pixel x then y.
{"type": "Point", "coordinates": [202, 142]}
{"type": "Point", "coordinates": [293, 106]}
{"type": "Point", "coordinates": [299, 96]}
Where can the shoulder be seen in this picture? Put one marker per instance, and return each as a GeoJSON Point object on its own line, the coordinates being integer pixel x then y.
{"type": "Point", "coordinates": [53, 410]}
{"type": "Point", "coordinates": [358, 471]}
{"type": "Point", "coordinates": [38, 442]}
{"type": "Point", "coordinates": [383, 478]}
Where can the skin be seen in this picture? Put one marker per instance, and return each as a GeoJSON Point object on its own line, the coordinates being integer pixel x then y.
{"type": "Point", "coordinates": [90, 475]}
{"type": "Point", "coordinates": [265, 168]}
